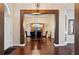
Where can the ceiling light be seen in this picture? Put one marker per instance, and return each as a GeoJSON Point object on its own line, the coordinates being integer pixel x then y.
{"type": "Point", "coordinates": [37, 6]}
{"type": "Point", "coordinates": [36, 13]}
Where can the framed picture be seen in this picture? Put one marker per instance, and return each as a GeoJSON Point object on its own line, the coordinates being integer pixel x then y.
{"type": "Point", "coordinates": [71, 26]}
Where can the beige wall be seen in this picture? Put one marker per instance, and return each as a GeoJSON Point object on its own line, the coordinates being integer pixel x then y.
{"type": "Point", "coordinates": [8, 27]}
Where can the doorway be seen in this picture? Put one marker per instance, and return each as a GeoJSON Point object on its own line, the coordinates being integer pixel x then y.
{"type": "Point", "coordinates": [1, 28]}
{"type": "Point", "coordinates": [23, 12]}
{"type": "Point", "coordinates": [76, 27]}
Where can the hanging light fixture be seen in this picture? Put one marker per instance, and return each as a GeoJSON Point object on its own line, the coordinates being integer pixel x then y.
{"type": "Point", "coordinates": [36, 17]}
{"type": "Point", "coordinates": [37, 11]}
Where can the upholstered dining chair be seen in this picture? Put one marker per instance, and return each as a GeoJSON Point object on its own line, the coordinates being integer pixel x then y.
{"type": "Point", "coordinates": [32, 35]}
{"type": "Point", "coordinates": [45, 34]}
{"type": "Point", "coordinates": [39, 34]}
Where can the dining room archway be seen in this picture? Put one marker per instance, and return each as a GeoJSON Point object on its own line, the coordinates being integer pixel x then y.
{"type": "Point", "coordinates": [23, 12]}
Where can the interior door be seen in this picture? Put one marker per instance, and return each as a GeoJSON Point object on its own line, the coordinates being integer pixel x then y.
{"type": "Point", "coordinates": [76, 28]}
{"type": "Point", "coordinates": [1, 28]}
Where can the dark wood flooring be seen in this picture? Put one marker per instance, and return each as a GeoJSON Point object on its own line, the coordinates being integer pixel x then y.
{"type": "Point", "coordinates": [42, 47]}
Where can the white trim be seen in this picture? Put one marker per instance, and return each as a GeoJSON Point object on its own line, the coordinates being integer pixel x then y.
{"type": "Point", "coordinates": [8, 9]}
{"type": "Point", "coordinates": [19, 44]}
{"type": "Point", "coordinates": [61, 44]}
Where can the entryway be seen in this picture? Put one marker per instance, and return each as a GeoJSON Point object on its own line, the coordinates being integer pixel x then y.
{"type": "Point", "coordinates": [23, 12]}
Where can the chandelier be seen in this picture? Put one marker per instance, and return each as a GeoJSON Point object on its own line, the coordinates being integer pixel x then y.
{"type": "Point", "coordinates": [37, 9]}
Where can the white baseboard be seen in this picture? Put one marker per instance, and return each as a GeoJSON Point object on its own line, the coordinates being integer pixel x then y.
{"type": "Point", "coordinates": [6, 47]}
{"type": "Point", "coordinates": [19, 44]}
{"type": "Point", "coordinates": [64, 44]}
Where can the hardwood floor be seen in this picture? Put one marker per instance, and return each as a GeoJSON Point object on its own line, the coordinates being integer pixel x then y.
{"type": "Point", "coordinates": [65, 50]}
{"type": "Point", "coordinates": [42, 47]}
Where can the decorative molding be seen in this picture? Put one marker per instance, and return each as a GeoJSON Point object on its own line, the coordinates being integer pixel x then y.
{"type": "Point", "coordinates": [64, 44]}
{"type": "Point", "coordinates": [8, 9]}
